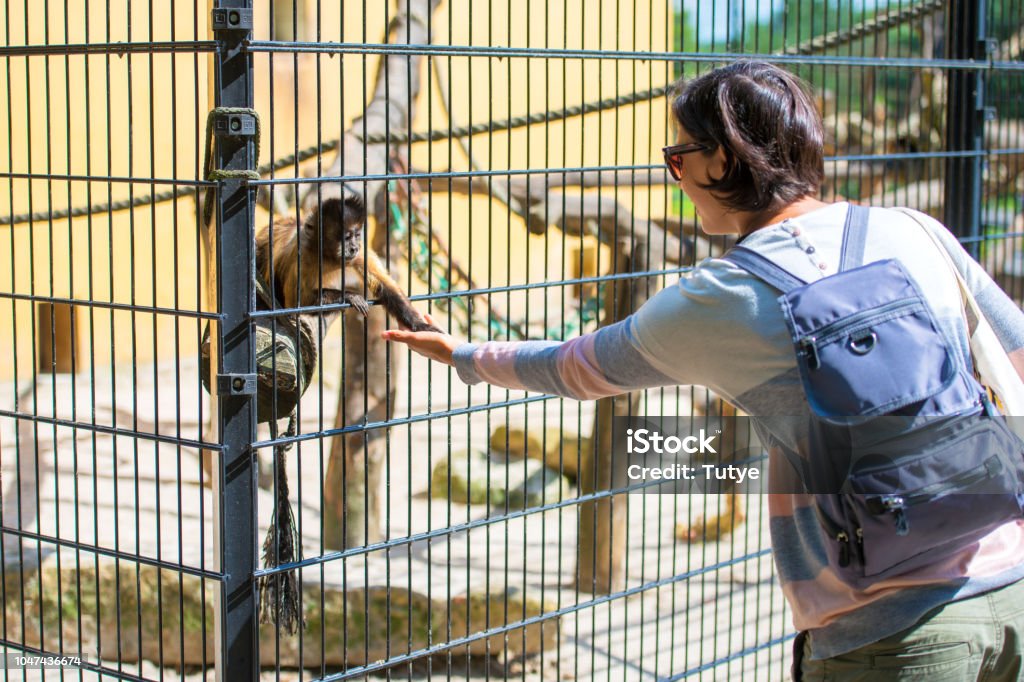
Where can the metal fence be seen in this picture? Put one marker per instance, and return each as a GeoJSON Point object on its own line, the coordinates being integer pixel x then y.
{"type": "Point", "coordinates": [507, 154]}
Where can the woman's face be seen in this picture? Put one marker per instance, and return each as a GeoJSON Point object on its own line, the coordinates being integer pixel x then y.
{"type": "Point", "coordinates": [697, 169]}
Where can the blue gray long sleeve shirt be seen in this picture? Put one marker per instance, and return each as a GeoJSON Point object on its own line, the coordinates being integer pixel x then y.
{"type": "Point", "coordinates": [722, 328]}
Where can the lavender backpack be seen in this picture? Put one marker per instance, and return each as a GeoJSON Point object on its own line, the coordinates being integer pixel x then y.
{"type": "Point", "coordinates": [907, 459]}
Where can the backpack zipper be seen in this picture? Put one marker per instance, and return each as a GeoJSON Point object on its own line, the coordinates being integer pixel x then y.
{"type": "Point", "coordinates": [844, 548]}
{"type": "Point", "coordinates": [839, 328]}
{"type": "Point", "coordinates": [992, 466]}
{"type": "Point", "coordinates": [897, 505]}
{"type": "Point", "coordinates": [837, 533]}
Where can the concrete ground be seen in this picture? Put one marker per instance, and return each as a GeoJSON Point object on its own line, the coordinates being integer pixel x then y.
{"type": "Point", "coordinates": [703, 611]}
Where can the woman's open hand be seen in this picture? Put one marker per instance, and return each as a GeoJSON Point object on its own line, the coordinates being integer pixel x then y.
{"type": "Point", "coordinates": [434, 345]}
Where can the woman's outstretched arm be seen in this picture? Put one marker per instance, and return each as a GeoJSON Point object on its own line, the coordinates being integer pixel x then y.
{"type": "Point", "coordinates": [606, 362]}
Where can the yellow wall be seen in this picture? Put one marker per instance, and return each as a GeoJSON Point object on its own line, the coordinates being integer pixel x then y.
{"type": "Point", "coordinates": [144, 116]}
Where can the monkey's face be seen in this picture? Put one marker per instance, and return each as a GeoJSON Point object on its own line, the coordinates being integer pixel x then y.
{"type": "Point", "coordinates": [338, 225]}
{"type": "Point", "coordinates": [352, 241]}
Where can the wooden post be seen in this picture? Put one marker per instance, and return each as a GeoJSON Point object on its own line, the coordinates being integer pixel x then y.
{"type": "Point", "coordinates": [56, 338]}
{"type": "Point", "coordinates": [602, 532]}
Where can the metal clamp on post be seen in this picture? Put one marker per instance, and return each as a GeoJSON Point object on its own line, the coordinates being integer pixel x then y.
{"type": "Point", "coordinates": [231, 19]}
{"type": "Point", "coordinates": [236, 384]}
{"type": "Point", "coordinates": [228, 122]}
{"type": "Point", "coordinates": [235, 123]}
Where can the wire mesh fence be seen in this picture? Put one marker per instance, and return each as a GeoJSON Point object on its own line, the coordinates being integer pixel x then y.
{"type": "Point", "coordinates": [164, 164]}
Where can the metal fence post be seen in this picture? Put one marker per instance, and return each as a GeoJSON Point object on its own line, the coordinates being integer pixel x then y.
{"type": "Point", "coordinates": [233, 88]}
{"type": "Point", "coordinates": [965, 127]}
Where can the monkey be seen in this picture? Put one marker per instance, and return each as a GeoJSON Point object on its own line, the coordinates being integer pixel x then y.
{"type": "Point", "coordinates": [338, 272]}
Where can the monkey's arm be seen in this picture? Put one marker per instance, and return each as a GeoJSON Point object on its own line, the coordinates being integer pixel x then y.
{"type": "Point", "coordinates": [332, 296]}
{"type": "Point", "coordinates": [388, 293]}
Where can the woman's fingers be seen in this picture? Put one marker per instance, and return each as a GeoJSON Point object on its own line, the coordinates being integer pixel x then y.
{"type": "Point", "coordinates": [434, 345]}
{"type": "Point", "coordinates": [416, 340]}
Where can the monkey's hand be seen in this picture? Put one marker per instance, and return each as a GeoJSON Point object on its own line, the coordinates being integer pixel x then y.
{"type": "Point", "coordinates": [357, 302]}
{"type": "Point", "coordinates": [435, 345]}
{"type": "Point", "coordinates": [332, 296]}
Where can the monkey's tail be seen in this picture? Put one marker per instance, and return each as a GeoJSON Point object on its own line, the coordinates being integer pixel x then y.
{"type": "Point", "coordinates": [279, 592]}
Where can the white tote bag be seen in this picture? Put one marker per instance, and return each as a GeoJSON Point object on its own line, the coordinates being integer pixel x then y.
{"type": "Point", "coordinates": [993, 367]}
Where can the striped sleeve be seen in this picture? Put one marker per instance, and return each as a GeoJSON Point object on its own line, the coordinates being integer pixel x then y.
{"type": "Point", "coordinates": [606, 362]}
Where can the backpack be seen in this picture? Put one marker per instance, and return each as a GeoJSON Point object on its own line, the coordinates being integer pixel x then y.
{"type": "Point", "coordinates": [907, 459]}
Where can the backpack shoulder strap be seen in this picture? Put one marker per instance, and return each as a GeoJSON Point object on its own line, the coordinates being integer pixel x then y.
{"type": "Point", "coordinates": [762, 268]}
{"type": "Point", "coordinates": [855, 234]}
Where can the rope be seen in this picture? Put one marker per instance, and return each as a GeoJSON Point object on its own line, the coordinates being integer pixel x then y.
{"type": "Point", "coordinates": [279, 596]}
{"type": "Point", "coordinates": [817, 44]}
{"type": "Point", "coordinates": [81, 211]}
{"type": "Point", "coordinates": [522, 121]}
{"type": "Point", "coordinates": [810, 46]}
{"type": "Point", "coordinates": [211, 173]}
{"type": "Point", "coordinates": [876, 24]}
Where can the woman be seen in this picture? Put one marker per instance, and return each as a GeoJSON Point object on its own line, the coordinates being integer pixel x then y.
{"type": "Point", "coordinates": [750, 158]}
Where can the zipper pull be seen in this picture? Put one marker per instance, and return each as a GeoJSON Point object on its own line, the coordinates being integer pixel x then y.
{"type": "Point", "coordinates": [809, 348]}
{"type": "Point", "coordinates": [902, 526]}
{"type": "Point", "coordinates": [898, 507]}
{"type": "Point", "coordinates": [844, 549]}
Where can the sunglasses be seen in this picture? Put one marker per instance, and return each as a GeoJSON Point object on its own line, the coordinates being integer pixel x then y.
{"type": "Point", "coordinates": [674, 157]}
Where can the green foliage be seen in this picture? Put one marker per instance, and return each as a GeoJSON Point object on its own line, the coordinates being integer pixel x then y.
{"type": "Point", "coordinates": [681, 204]}
{"type": "Point", "coordinates": [684, 39]}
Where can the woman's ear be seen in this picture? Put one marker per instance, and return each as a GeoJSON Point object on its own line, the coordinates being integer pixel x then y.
{"type": "Point", "coordinates": [717, 164]}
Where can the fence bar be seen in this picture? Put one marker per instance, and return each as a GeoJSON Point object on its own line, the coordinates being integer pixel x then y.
{"type": "Point", "coordinates": [965, 40]}
{"type": "Point", "coordinates": [713, 57]}
{"type": "Point", "coordinates": [236, 416]}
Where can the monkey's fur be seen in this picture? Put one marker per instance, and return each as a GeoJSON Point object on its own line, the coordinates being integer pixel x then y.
{"type": "Point", "coordinates": [336, 274]}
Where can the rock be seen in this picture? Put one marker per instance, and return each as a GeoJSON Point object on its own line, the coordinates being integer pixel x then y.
{"type": "Point", "coordinates": [466, 472]}
{"type": "Point", "coordinates": [479, 479]}
{"type": "Point", "coordinates": [517, 444]}
{"type": "Point", "coordinates": [557, 449]}
{"type": "Point", "coordinates": [360, 626]}
{"type": "Point", "coordinates": [167, 623]}
{"type": "Point", "coordinates": [569, 459]}
{"type": "Point", "coordinates": [107, 602]}
{"type": "Point", "coordinates": [535, 486]}
{"type": "Point", "coordinates": [479, 611]}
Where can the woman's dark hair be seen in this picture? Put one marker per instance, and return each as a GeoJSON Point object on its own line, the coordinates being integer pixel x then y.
{"type": "Point", "coordinates": [765, 120]}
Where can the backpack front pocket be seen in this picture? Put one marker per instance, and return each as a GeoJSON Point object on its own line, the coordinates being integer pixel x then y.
{"type": "Point", "coordinates": [871, 350]}
{"type": "Point", "coordinates": [914, 510]}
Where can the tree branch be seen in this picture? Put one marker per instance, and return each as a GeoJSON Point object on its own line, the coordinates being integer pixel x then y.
{"type": "Point", "coordinates": [352, 501]}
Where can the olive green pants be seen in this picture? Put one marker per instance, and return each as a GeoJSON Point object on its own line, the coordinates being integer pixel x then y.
{"type": "Point", "coordinates": [979, 638]}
